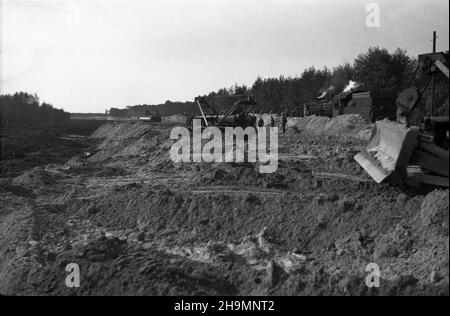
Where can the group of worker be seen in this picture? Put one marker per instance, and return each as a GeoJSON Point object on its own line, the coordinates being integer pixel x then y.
{"type": "Point", "coordinates": [260, 122]}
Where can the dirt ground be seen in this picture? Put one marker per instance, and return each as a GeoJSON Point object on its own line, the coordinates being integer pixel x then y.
{"type": "Point", "coordinates": [138, 224]}
{"type": "Point", "coordinates": [25, 147]}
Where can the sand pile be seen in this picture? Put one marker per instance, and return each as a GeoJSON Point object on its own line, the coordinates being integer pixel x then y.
{"type": "Point", "coordinates": [124, 140]}
{"type": "Point", "coordinates": [421, 238]}
{"type": "Point", "coordinates": [344, 124]}
{"type": "Point", "coordinates": [174, 119]}
{"type": "Point", "coordinates": [120, 130]}
{"type": "Point", "coordinates": [36, 177]}
{"type": "Point", "coordinates": [434, 213]}
{"type": "Point", "coordinates": [133, 144]}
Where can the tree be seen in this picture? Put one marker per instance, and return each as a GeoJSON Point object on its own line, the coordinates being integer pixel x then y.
{"type": "Point", "coordinates": [24, 109]}
{"type": "Point", "coordinates": [341, 76]}
{"type": "Point", "coordinates": [382, 72]}
{"type": "Point", "coordinates": [377, 69]}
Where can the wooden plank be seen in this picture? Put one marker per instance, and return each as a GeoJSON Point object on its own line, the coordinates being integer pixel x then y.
{"type": "Point", "coordinates": [434, 180]}
{"type": "Point", "coordinates": [203, 114]}
{"type": "Point", "coordinates": [434, 149]}
{"type": "Point", "coordinates": [339, 176]}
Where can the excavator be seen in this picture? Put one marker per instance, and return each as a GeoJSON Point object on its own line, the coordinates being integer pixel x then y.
{"type": "Point", "coordinates": [405, 154]}
{"type": "Point", "coordinates": [238, 114]}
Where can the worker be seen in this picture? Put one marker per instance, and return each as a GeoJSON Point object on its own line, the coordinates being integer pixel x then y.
{"type": "Point", "coordinates": [283, 122]}
{"type": "Point", "coordinates": [188, 117]}
{"type": "Point", "coordinates": [260, 122]}
{"type": "Point", "coordinates": [272, 121]}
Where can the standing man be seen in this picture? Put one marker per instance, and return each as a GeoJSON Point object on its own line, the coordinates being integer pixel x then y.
{"type": "Point", "coordinates": [283, 122]}
{"type": "Point", "coordinates": [260, 122]}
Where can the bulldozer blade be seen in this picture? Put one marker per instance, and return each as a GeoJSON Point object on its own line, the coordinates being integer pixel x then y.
{"type": "Point", "coordinates": [371, 166]}
{"type": "Point", "coordinates": [389, 150]}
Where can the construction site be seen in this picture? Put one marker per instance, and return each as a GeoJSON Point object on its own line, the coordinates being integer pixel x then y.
{"type": "Point", "coordinates": [360, 188]}
{"type": "Point", "coordinates": [139, 224]}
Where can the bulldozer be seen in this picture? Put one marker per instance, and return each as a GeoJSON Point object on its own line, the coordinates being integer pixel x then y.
{"type": "Point", "coordinates": [402, 153]}
{"type": "Point", "coordinates": [151, 116]}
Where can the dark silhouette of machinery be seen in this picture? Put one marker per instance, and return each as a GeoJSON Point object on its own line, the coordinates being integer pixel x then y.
{"type": "Point", "coordinates": [238, 114]}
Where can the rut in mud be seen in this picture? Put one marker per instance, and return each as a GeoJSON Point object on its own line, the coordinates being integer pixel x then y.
{"type": "Point", "coordinates": [138, 224]}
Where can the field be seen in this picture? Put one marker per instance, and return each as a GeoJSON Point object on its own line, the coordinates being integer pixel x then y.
{"type": "Point", "coordinates": [138, 224]}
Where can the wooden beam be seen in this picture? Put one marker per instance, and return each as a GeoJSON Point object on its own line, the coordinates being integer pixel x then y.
{"type": "Point", "coordinates": [339, 176]}
{"type": "Point", "coordinates": [433, 180]}
{"type": "Point", "coordinates": [203, 114]}
{"type": "Point", "coordinates": [434, 149]}
{"type": "Point", "coordinates": [431, 163]}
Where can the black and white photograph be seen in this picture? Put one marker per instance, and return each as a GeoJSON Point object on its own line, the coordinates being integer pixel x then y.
{"type": "Point", "coordinates": [224, 155]}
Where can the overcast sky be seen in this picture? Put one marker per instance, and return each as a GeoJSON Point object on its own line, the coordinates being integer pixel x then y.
{"type": "Point", "coordinates": [87, 56]}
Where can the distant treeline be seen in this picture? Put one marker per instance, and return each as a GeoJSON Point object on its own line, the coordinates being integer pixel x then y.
{"type": "Point", "coordinates": [23, 108]}
{"type": "Point", "coordinates": [166, 109]}
{"type": "Point", "coordinates": [377, 70]}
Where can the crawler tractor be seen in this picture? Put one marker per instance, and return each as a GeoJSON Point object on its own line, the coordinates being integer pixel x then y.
{"type": "Point", "coordinates": [409, 154]}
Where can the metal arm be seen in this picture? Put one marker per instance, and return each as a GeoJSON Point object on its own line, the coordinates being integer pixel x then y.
{"type": "Point", "coordinates": [408, 98]}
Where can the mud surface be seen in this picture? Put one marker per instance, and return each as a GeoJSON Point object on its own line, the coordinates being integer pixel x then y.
{"type": "Point", "coordinates": [25, 147]}
{"type": "Point", "coordinates": [138, 224]}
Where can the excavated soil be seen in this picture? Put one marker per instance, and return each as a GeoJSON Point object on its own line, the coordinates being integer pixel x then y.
{"type": "Point", "coordinates": [138, 224]}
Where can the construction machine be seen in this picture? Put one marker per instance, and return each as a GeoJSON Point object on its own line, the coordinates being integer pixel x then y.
{"type": "Point", "coordinates": [368, 105]}
{"type": "Point", "coordinates": [238, 114]}
{"type": "Point", "coordinates": [409, 154]}
{"type": "Point", "coordinates": [151, 116]}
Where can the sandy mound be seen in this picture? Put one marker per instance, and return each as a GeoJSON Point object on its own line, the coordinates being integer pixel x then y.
{"type": "Point", "coordinates": [125, 140]}
{"type": "Point", "coordinates": [174, 119]}
{"type": "Point", "coordinates": [434, 210]}
{"type": "Point", "coordinates": [351, 123]}
{"type": "Point", "coordinates": [35, 177]}
{"type": "Point", "coordinates": [120, 130]}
